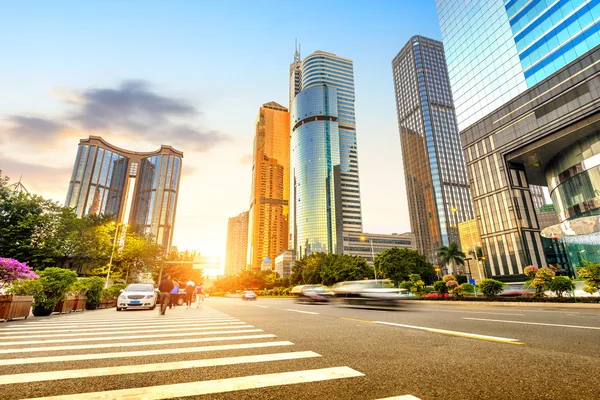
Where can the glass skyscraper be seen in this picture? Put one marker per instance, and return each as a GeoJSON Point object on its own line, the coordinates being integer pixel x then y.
{"type": "Point", "coordinates": [136, 188]}
{"type": "Point", "coordinates": [325, 192]}
{"type": "Point", "coordinates": [497, 49]}
{"type": "Point", "coordinates": [436, 180]}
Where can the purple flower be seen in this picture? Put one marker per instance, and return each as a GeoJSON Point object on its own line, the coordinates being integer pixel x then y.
{"type": "Point", "coordinates": [12, 270]}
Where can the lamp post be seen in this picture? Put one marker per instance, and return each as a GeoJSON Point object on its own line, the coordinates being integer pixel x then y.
{"type": "Point", "coordinates": [112, 253]}
{"type": "Point", "coordinates": [362, 239]}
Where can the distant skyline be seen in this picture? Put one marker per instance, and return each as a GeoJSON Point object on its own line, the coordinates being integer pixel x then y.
{"type": "Point", "coordinates": [192, 75]}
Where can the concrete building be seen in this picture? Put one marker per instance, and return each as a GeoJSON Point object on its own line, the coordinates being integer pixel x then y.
{"type": "Point", "coordinates": [325, 192]}
{"type": "Point", "coordinates": [269, 196]}
{"type": "Point", "coordinates": [284, 263]}
{"type": "Point", "coordinates": [434, 168]}
{"type": "Point", "coordinates": [365, 245]}
{"type": "Point", "coordinates": [237, 244]}
{"type": "Point", "coordinates": [137, 188]}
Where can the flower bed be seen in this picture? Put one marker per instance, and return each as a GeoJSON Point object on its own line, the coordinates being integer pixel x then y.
{"type": "Point", "coordinates": [14, 306]}
{"type": "Point", "coordinates": [515, 299]}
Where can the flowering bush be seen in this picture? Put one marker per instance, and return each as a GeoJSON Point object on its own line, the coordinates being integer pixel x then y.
{"type": "Point", "coordinates": [531, 270]}
{"type": "Point", "coordinates": [452, 285]}
{"type": "Point", "coordinates": [539, 280]}
{"type": "Point", "coordinates": [591, 273]}
{"type": "Point", "coordinates": [11, 270]}
{"type": "Point", "coordinates": [448, 277]}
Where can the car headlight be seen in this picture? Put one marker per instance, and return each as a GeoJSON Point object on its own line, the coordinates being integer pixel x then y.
{"type": "Point", "coordinates": [149, 296]}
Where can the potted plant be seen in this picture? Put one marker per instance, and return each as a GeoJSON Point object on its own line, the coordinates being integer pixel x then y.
{"type": "Point", "coordinates": [79, 290]}
{"type": "Point", "coordinates": [14, 305]}
{"type": "Point", "coordinates": [95, 285]}
{"type": "Point", "coordinates": [48, 290]}
{"type": "Point", "coordinates": [110, 294]}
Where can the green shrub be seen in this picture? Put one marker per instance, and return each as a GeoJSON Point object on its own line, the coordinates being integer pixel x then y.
{"type": "Point", "coordinates": [51, 287]}
{"type": "Point", "coordinates": [462, 279]}
{"type": "Point", "coordinates": [113, 291]}
{"type": "Point", "coordinates": [466, 289]}
{"type": "Point", "coordinates": [490, 287]}
{"type": "Point", "coordinates": [561, 285]}
{"type": "Point", "coordinates": [440, 287]}
{"type": "Point", "coordinates": [95, 286]}
{"type": "Point", "coordinates": [591, 273]}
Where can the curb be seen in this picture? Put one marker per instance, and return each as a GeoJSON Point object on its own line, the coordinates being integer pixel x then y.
{"type": "Point", "coordinates": [507, 304]}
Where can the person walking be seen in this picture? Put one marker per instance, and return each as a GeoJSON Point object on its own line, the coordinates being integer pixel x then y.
{"type": "Point", "coordinates": [174, 294]}
{"type": "Point", "coordinates": [164, 287]}
{"type": "Point", "coordinates": [189, 292]}
{"type": "Point", "coordinates": [199, 295]}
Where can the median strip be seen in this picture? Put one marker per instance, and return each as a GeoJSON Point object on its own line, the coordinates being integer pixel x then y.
{"type": "Point", "coordinates": [454, 333]}
{"type": "Point", "coordinates": [535, 323]}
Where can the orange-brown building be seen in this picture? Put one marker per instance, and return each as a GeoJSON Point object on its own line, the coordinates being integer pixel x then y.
{"type": "Point", "coordinates": [270, 193]}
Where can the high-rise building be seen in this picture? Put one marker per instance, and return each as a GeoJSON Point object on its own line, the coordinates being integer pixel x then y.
{"type": "Point", "coordinates": [365, 245]}
{"type": "Point", "coordinates": [270, 193]}
{"type": "Point", "coordinates": [237, 244]}
{"type": "Point", "coordinates": [524, 76]}
{"type": "Point", "coordinates": [436, 181]}
{"type": "Point", "coordinates": [136, 188]}
{"type": "Point", "coordinates": [471, 245]}
{"type": "Point", "coordinates": [325, 192]}
{"type": "Point", "coordinates": [497, 49]}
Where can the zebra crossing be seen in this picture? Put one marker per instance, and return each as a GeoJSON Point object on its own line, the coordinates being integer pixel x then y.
{"type": "Point", "coordinates": [88, 356]}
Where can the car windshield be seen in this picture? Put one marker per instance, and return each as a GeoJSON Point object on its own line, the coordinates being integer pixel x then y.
{"type": "Point", "coordinates": [139, 288]}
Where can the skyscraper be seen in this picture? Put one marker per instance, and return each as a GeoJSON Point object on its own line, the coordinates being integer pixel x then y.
{"type": "Point", "coordinates": [137, 188]}
{"type": "Point", "coordinates": [497, 49]}
{"type": "Point", "coordinates": [237, 244]}
{"type": "Point", "coordinates": [268, 215]}
{"type": "Point", "coordinates": [434, 168]}
{"type": "Point", "coordinates": [325, 192]}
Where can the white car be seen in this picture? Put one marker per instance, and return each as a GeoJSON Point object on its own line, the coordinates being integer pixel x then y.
{"type": "Point", "coordinates": [137, 296]}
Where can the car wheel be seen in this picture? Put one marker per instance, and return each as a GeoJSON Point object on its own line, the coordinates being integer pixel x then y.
{"type": "Point", "coordinates": [119, 309]}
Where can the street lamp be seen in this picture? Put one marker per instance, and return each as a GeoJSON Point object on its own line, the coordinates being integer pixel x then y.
{"type": "Point", "coordinates": [363, 239]}
{"type": "Point", "coordinates": [112, 253]}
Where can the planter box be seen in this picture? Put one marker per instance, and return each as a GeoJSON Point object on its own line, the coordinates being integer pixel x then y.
{"type": "Point", "coordinates": [14, 306]}
{"type": "Point", "coordinates": [80, 303]}
{"type": "Point", "coordinates": [107, 303]}
{"type": "Point", "coordinates": [65, 306]}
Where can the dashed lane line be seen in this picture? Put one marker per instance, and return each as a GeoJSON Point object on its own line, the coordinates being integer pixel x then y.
{"type": "Point", "coordinates": [218, 385]}
{"type": "Point", "coordinates": [535, 323]}
{"type": "Point", "coordinates": [299, 311]}
{"type": "Point", "coordinates": [258, 305]}
{"type": "Point", "coordinates": [143, 353]}
{"type": "Point", "coordinates": [155, 367]}
{"type": "Point", "coordinates": [455, 333]}
{"type": "Point", "coordinates": [357, 320]}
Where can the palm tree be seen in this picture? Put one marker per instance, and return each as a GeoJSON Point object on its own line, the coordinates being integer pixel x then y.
{"type": "Point", "coordinates": [451, 255]}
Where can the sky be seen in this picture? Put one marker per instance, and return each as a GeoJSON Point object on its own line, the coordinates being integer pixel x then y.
{"type": "Point", "coordinates": [193, 74]}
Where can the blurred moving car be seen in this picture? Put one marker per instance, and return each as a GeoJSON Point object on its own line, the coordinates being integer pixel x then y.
{"type": "Point", "coordinates": [516, 289]}
{"type": "Point", "coordinates": [370, 293]}
{"type": "Point", "coordinates": [311, 294]}
{"type": "Point", "coordinates": [137, 296]}
{"type": "Point", "coordinates": [248, 295]}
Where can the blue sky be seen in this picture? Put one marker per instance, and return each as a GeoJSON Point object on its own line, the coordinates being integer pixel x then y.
{"type": "Point", "coordinates": [224, 59]}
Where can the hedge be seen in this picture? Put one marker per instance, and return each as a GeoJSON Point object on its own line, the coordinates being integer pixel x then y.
{"type": "Point", "coordinates": [514, 299]}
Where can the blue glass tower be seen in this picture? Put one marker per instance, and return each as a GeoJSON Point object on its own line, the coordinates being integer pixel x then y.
{"type": "Point", "coordinates": [497, 49]}
{"type": "Point", "coordinates": [324, 184]}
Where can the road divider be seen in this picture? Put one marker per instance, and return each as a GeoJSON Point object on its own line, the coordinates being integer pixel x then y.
{"type": "Point", "coordinates": [218, 385]}
{"type": "Point", "coordinates": [597, 328]}
{"type": "Point", "coordinates": [454, 333]}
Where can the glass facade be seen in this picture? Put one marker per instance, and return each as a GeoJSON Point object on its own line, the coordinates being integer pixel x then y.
{"type": "Point", "coordinates": [237, 244]}
{"type": "Point", "coordinates": [101, 178]}
{"type": "Point", "coordinates": [436, 181]}
{"type": "Point", "coordinates": [497, 49]}
{"type": "Point", "coordinates": [322, 68]}
{"type": "Point", "coordinates": [269, 196]}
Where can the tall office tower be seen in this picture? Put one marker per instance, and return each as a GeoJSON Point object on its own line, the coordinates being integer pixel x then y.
{"type": "Point", "coordinates": [434, 167]}
{"type": "Point", "coordinates": [137, 188]}
{"type": "Point", "coordinates": [537, 196]}
{"type": "Point", "coordinates": [524, 76]}
{"type": "Point", "coordinates": [268, 215]}
{"type": "Point", "coordinates": [237, 244]}
{"type": "Point", "coordinates": [325, 193]}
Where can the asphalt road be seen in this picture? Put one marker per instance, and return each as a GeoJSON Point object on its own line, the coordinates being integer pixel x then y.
{"type": "Point", "coordinates": [277, 349]}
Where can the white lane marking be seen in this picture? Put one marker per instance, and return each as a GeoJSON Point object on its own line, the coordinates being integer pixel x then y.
{"type": "Point", "coordinates": [142, 353]}
{"type": "Point", "coordinates": [470, 312]}
{"type": "Point", "coordinates": [301, 311]}
{"type": "Point", "coordinates": [453, 333]}
{"type": "Point", "coordinates": [111, 331]}
{"type": "Point", "coordinates": [218, 385]}
{"type": "Point", "coordinates": [133, 325]}
{"type": "Point", "coordinates": [257, 305]}
{"type": "Point", "coordinates": [91, 331]}
{"type": "Point", "coordinates": [535, 323]}
{"type": "Point", "coordinates": [167, 366]}
{"type": "Point", "coordinates": [140, 344]}
{"type": "Point", "coordinates": [405, 397]}
{"type": "Point", "coordinates": [68, 320]}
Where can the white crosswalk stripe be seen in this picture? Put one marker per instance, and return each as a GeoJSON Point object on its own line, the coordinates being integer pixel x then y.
{"type": "Point", "coordinates": [59, 349]}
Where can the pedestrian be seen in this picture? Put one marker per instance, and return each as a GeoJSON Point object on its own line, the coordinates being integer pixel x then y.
{"type": "Point", "coordinates": [165, 287]}
{"type": "Point", "coordinates": [199, 295]}
{"type": "Point", "coordinates": [174, 294]}
{"type": "Point", "coordinates": [189, 292]}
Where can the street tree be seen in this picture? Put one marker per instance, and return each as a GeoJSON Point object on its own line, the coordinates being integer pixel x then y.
{"type": "Point", "coordinates": [451, 255]}
{"type": "Point", "coordinates": [398, 263]}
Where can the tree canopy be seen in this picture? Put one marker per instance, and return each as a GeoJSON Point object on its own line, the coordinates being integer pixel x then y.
{"type": "Point", "coordinates": [327, 269]}
{"type": "Point", "coordinates": [451, 255]}
{"type": "Point", "coordinates": [397, 264]}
